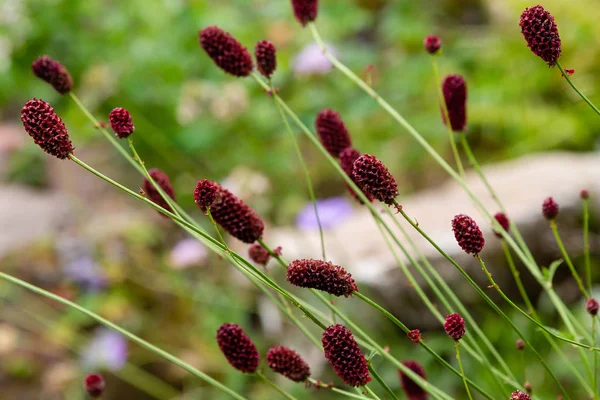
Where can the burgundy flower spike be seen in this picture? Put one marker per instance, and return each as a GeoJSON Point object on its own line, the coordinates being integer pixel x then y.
{"type": "Point", "coordinates": [321, 275]}
{"type": "Point", "coordinates": [518, 395]}
{"type": "Point", "coordinates": [541, 34]}
{"type": "Point", "coordinates": [504, 223]}
{"type": "Point", "coordinates": [455, 326]}
{"type": "Point", "coordinates": [239, 220]}
{"type": "Point", "coordinates": [591, 305]}
{"type": "Point", "coordinates": [54, 73]}
{"type": "Point", "coordinates": [467, 234]}
{"type": "Point", "coordinates": [305, 10]}
{"type": "Point", "coordinates": [206, 193]}
{"type": "Point", "coordinates": [163, 181]}
{"type": "Point", "coordinates": [344, 355]}
{"type": "Point", "coordinates": [332, 132]}
{"type": "Point", "coordinates": [266, 60]}
{"type": "Point", "coordinates": [550, 209]}
{"type": "Point", "coordinates": [432, 44]}
{"type": "Point", "coordinates": [121, 122]}
{"type": "Point", "coordinates": [412, 390]}
{"type": "Point", "coordinates": [347, 158]}
{"type": "Point", "coordinates": [226, 51]}
{"type": "Point", "coordinates": [373, 177]}
{"type": "Point", "coordinates": [454, 88]}
{"type": "Point", "coordinates": [94, 385]}
{"type": "Point", "coordinates": [288, 363]}
{"type": "Point", "coordinates": [46, 128]}
{"type": "Point", "coordinates": [238, 348]}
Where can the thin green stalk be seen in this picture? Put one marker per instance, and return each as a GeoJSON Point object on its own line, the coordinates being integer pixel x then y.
{"type": "Point", "coordinates": [586, 242]}
{"type": "Point", "coordinates": [322, 385]}
{"type": "Point", "coordinates": [527, 260]}
{"type": "Point", "coordinates": [595, 380]}
{"type": "Point", "coordinates": [462, 371]}
{"type": "Point", "coordinates": [568, 259]}
{"type": "Point", "coordinates": [371, 393]}
{"type": "Point", "coordinates": [583, 96]}
{"type": "Point", "coordinates": [444, 106]}
{"type": "Point", "coordinates": [517, 331]}
{"type": "Point", "coordinates": [182, 364]}
{"type": "Point", "coordinates": [274, 386]}
{"type": "Point", "coordinates": [381, 382]}
{"type": "Point", "coordinates": [517, 276]}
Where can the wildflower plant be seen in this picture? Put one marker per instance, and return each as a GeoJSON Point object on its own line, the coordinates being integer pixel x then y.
{"type": "Point", "coordinates": [347, 344]}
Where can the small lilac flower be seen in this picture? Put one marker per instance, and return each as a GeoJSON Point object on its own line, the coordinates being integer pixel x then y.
{"type": "Point", "coordinates": [332, 212]}
{"type": "Point", "coordinates": [86, 273]}
{"type": "Point", "coordinates": [311, 60]}
{"type": "Point", "coordinates": [108, 349]}
{"type": "Point", "coordinates": [187, 253]}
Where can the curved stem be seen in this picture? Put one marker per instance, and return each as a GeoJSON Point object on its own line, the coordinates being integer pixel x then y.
{"type": "Point", "coordinates": [586, 242]}
{"type": "Point", "coordinates": [568, 259]}
{"type": "Point", "coordinates": [322, 385]}
{"type": "Point", "coordinates": [371, 393]}
{"type": "Point", "coordinates": [381, 382]}
{"type": "Point", "coordinates": [182, 364]}
{"type": "Point", "coordinates": [274, 386]}
{"type": "Point", "coordinates": [462, 371]}
{"type": "Point", "coordinates": [583, 96]}
{"type": "Point", "coordinates": [444, 108]}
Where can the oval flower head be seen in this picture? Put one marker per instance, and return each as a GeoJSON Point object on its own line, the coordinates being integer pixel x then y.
{"type": "Point", "coordinates": [238, 348]}
{"type": "Point", "coordinates": [344, 355]}
{"type": "Point", "coordinates": [321, 275]}
{"type": "Point", "coordinates": [288, 363]}
{"type": "Point", "coordinates": [541, 34]}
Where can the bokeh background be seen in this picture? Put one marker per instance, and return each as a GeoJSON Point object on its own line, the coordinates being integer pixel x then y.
{"type": "Point", "coordinates": [70, 233]}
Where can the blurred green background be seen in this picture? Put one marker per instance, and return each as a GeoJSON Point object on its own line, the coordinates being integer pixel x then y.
{"type": "Point", "coordinates": [195, 122]}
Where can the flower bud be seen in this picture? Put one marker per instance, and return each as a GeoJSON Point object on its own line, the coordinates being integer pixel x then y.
{"type": "Point", "coordinates": [121, 122]}
{"type": "Point", "coordinates": [541, 34]}
{"type": "Point", "coordinates": [54, 73]}
{"type": "Point", "coordinates": [467, 234]}
{"type": "Point", "coordinates": [455, 326]}
{"type": "Point", "coordinates": [46, 128]}
{"type": "Point", "coordinates": [305, 10]}
{"type": "Point", "coordinates": [238, 348]}
{"type": "Point", "coordinates": [94, 385]}
{"type": "Point", "coordinates": [454, 89]}
{"type": "Point", "coordinates": [266, 60]}
{"type": "Point", "coordinates": [288, 363]}
{"type": "Point", "coordinates": [226, 51]}
{"type": "Point", "coordinates": [332, 132]}
{"type": "Point", "coordinates": [321, 275]}
{"type": "Point", "coordinates": [344, 355]}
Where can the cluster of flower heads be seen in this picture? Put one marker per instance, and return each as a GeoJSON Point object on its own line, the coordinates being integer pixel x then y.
{"type": "Point", "coordinates": [321, 275]}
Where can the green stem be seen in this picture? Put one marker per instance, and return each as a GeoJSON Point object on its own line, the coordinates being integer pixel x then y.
{"type": "Point", "coordinates": [182, 364]}
{"type": "Point", "coordinates": [274, 386]}
{"type": "Point", "coordinates": [322, 385]}
{"type": "Point", "coordinates": [586, 242]}
{"type": "Point", "coordinates": [583, 96]}
{"type": "Point", "coordinates": [371, 393]}
{"type": "Point", "coordinates": [517, 331]}
{"type": "Point", "coordinates": [444, 107]}
{"type": "Point", "coordinates": [517, 276]}
{"type": "Point", "coordinates": [568, 259]}
{"type": "Point", "coordinates": [381, 382]}
{"type": "Point", "coordinates": [595, 380]}
{"type": "Point", "coordinates": [462, 371]}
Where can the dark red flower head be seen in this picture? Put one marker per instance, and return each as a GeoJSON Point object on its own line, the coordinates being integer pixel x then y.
{"type": "Point", "coordinates": [412, 390]}
{"type": "Point", "coordinates": [238, 348]}
{"type": "Point", "coordinates": [259, 254]}
{"type": "Point", "coordinates": [163, 181]}
{"type": "Point", "coordinates": [54, 73]}
{"type": "Point", "coordinates": [591, 305]}
{"type": "Point", "coordinates": [520, 344]}
{"type": "Point", "coordinates": [454, 88]}
{"type": "Point", "coordinates": [94, 385]}
{"type": "Point", "coordinates": [455, 326]}
{"type": "Point", "coordinates": [347, 158]}
{"type": "Point", "coordinates": [239, 220]}
{"type": "Point", "coordinates": [518, 395]}
{"type": "Point", "coordinates": [321, 275]}
{"type": "Point", "coordinates": [503, 221]}
{"type": "Point", "coordinates": [226, 51]}
{"type": "Point", "coordinates": [206, 193]}
{"type": "Point", "coordinates": [373, 177]}
{"type": "Point", "coordinates": [332, 132]}
{"type": "Point", "coordinates": [305, 10]}
{"type": "Point", "coordinates": [467, 234]}
{"type": "Point", "coordinates": [584, 194]}
{"type": "Point", "coordinates": [266, 60]}
{"type": "Point", "coordinates": [46, 128]}
{"type": "Point", "coordinates": [550, 208]}
{"type": "Point", "coordinates": [121, 123]}
{"type": "Point", "coordinates": [541, 34]}
{"type": "Point", "coordinates": [288, 363]}
{"type": "Point", "coordinates": [344, 355]}
{"type": "Point", "coordinates": [414, 335]}
{"type": "Point", "coordinates": [432, 44]}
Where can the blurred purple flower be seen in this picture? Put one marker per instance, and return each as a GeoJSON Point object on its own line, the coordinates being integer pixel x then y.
{"type": "Point", "coordinates": [107, 349]}
{"type": "Point", "coordinates": [187, 253]}
{"type": "Point", "coordinates": [332, 212]}
{"type": "Point", "coordinates": [311, 60]}
{"type": "Point", "coordinates": [86, 273]}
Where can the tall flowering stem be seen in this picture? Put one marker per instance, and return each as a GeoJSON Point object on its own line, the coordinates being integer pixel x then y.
{"type": "Point", "coordinates": [125, 333]}
{"type": "Point", "coordinates": [586, 237]}
{"type": "Point", "coordinates": [583, 96]}
{"type": "Point", "coordinates": [462, 371]}
{"type": "Point", "coordinates": [567, 258]}
{"type": "Point", "coordinates": [274, 386]}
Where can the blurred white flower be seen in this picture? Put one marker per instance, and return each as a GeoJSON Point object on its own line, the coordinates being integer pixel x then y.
{"type": "Point", "coordinates": [221, 101]}
{"type": "Point", "coordinates": [246, 183]}
{"type": "Point", "coordinates": [187, 253]}
{"type": "Point", "coordinates": [311, 60]}
{"type": "Point", "coordinates": [108, 349]}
